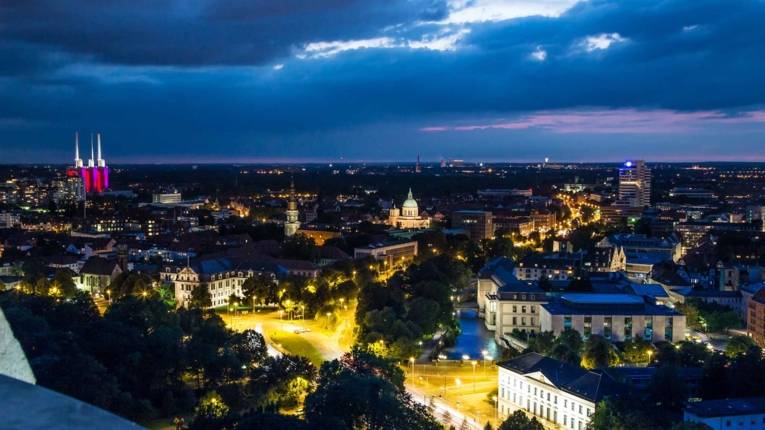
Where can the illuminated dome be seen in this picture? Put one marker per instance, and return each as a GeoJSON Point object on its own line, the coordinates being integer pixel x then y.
{"type": "Point", "coordinates": [410, 202]}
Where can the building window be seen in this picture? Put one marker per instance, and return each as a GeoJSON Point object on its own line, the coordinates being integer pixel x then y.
{"type": "Point", "coordinates": [587, 326]}
{"type": "Point", "coordinates": [567, 323]}
{"type": "Point", "coordinates": [627, 328]}
{"type": "Point", "coordinates": [607, 327]}
{"type": "Point", "coordinates": [648, 332]}
{"type": "Point", "coordinates": [668, 329]}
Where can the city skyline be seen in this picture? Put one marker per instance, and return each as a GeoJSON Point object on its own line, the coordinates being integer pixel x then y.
{"type": "Point", "coordinates": [332, 81]}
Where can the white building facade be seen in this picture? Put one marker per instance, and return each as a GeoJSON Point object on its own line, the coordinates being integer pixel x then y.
{"type": "Point", "coordinates": [616, 317]}
{"type": "Point", "coordinates": [560, 395]}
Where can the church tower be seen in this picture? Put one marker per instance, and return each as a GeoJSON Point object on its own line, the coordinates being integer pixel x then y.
{"type": "Point", "coordinates": [291, 224]}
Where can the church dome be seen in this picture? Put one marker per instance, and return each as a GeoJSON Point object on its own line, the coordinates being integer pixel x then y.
{"type": "Point", "coordinates": [410, 202]}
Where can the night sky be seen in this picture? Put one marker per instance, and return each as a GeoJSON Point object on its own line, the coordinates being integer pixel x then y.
{"type": "Point", "coordinates": [374, 80]}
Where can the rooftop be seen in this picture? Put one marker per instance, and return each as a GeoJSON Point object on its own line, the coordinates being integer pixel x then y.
{"type": "Point", "coordinates": [727, 407]}
{"type": "Point", "coordinates": [583, 383]}
{"type": "Point", "coordinates": [605, 304]}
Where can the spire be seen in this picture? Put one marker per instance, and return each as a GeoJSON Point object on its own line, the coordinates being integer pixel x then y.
{"type": "Point", "coordinates": [409, 196]}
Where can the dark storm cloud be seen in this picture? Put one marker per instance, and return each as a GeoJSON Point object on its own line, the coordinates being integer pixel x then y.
{"type": "Point", "coordinates": [199, 32]}
{"type": "Point", "coordinates": [194, 74]}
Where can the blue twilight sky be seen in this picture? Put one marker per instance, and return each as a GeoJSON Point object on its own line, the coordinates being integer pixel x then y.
{"type": "Point", "coordinates": [378, 80]}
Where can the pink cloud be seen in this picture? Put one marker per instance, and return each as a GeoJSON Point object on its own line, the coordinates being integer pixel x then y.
{"type": "Point", "coordinates": [630, 121]}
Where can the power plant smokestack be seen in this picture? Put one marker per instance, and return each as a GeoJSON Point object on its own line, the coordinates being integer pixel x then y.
{"type": "Point", "coordinates": [77, 159]}
{"type": "Point", "coordinates": [91, 161]}
{"type": "Point", "coordinates": [100, 161]}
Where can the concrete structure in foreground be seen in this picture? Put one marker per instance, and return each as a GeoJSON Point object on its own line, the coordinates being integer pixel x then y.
{"type": "Point", "coordinates": [560, 394]}
{"type": "Point", "coordinates": [617, 317]}
{"type": "Point", "coordinates": [27, 406]}
{"type": "Point", "coordinates": [740, 414]}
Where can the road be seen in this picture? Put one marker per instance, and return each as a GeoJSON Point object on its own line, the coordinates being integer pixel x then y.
{"type": "Point", "coordinates": [718, 342]}
{"type": "Point", "coordinates": [439, 409]}
{"type": "Point", "coordinates": [330, 344]}
{"type": "Point", "coordinates": [325, 340]}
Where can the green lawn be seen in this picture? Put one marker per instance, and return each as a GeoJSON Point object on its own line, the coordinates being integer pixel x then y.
{"type": "Point", "coordinates": [296, 345]}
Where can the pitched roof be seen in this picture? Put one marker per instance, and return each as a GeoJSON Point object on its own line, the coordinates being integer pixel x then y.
{"type": "Point", "coordinates": [99, 266]}
{"type": "Point", "coordinates": [580, 382]}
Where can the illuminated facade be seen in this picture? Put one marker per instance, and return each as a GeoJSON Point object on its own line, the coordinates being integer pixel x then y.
{"type": "Point", "coordinates": [291, 224]}
{"type": "Point", "coordinates": [94, 176]}
{"type": "Point", "coordinates": [635, 184]}
{"type": "Point", "coordinates": [408, 216]}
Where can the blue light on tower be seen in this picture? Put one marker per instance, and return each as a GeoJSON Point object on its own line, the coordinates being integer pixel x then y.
{"type": "Point", "coordinates": [628, 163]}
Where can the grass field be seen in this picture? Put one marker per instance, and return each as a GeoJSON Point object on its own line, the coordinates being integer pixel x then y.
{"type": "Point", "coordinates": [295, 345]}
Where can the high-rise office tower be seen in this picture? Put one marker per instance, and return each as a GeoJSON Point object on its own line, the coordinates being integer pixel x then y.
{"type": "Point", "coordinates": [635, 183]}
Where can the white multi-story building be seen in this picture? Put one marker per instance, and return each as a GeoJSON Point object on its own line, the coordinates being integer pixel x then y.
{"type": "Point", "coordinates": [617, 317]}
{"type": "Point", "coordinates": [635, 184]}
{"type": "Point", "coordinates": [559, 394]}
{"type": "Point", "coordinates": [221, 276]}
{"type": "Point", "coordinates": [507, 303]}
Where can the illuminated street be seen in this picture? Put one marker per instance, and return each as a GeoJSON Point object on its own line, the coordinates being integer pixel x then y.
{"type": "Point", "coordinates": [457, 388]}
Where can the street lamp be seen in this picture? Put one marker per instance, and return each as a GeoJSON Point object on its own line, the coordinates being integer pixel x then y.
{"type": "Point", "coordinates": [411, 360]}
{"type": "Point", "coordinates": [474, 363]}
{"type": "Point", "coordinates": [496, 407]}
{"type": "Point", "coordinates": [650, 354]}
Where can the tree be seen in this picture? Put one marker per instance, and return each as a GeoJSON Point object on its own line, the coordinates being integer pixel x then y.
{"type": "Point", "coordinates": [519, 421]}
{"type": "Point", "coordinates": [621, 414]}
{"type": "Point", "coordinates": [211, 412]}
{"type": "Point", "coordinates": [65, 283]}
{"type": "Point", "coordinates": [542, 342]}
{"type": "Point", "coordinates": [500, 246]}
{"type": "Point", "coordinates": [260, 289]}
{"type": "Point", "coordinates": [738, 345]}
{"type": "Point", "coordinates": [567, 347]}
{"type": "Point", "coordinates": [635, 351]}
{"type": "Point", "coordinates": [200, 297]}
{"type": "Point", "coordinates": [692, 354]}
{"type": "Point", "coordinates": [41, 286]}
{"type": "Point", "coordinates": [667, 389]}
{"type": "Point", "coordinates": [598, 353]}
{"type": "Point", "coordinates": [131, 284]}
{"type": "Point", "coordinates": [282, 381]}
{"type": "Point", "coordinates": [351, 395]}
